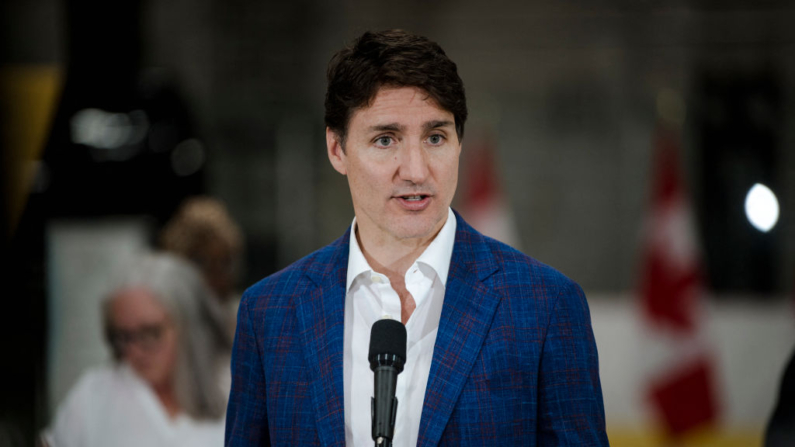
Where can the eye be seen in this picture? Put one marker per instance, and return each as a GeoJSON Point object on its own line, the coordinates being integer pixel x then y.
{"type": "Point", "coordinates": [384, 141]}
{"type": "Point", "coordinates": [120, 338]}
{"type": "Point", "coordinates": [436, 139]}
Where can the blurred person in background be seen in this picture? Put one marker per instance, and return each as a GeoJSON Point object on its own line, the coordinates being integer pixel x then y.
{"type": "Point", "coordinates": [162, 389]}
{"type": "Point", "coordinates": [203, 232]}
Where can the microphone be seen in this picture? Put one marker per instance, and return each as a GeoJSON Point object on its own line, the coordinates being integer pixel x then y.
{"type": "Point", "coordinates": [387, 357]}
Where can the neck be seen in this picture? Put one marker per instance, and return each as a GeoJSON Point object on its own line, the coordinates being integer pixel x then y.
{"type": "Point", "coordinates": [168, 398]}
{"type": "Point", "coordinates": [393, 257]}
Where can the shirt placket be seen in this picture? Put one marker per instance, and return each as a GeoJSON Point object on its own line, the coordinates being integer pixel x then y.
{"type": "Point", "coordinates": [390, 302]}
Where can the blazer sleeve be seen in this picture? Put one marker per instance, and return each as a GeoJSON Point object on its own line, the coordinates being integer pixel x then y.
{"type": "Point", "coordinates": [246, 415]}
{"type": "Point", "coordinates": [571, 410]}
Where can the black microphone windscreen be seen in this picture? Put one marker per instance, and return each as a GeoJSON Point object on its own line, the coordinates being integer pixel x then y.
{"type": "Point", "coordinates": [388, 337]}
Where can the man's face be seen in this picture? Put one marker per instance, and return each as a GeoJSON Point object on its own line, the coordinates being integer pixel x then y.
{"type": "Point", "coordinates": [401, 159]}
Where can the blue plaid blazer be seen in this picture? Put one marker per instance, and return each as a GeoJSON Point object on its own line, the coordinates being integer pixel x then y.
{"type": "Point", "coordinates": [514, 363]}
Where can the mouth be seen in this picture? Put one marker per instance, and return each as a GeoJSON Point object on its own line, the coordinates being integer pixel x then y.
{"type": "Point", "coordinates": [414, 198]}
{"type": "Point", "coordinates": [414, 202]}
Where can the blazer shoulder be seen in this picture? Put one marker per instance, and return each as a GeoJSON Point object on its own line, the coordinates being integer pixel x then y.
{"type": "Point", "coordinates": [300, 273]}
{"type": "Point", "coordinates": [520, 267]}
{"type": "Point", "coordinates": [535, 289]}
{"type": "Point", "coordinates": [504, 265]}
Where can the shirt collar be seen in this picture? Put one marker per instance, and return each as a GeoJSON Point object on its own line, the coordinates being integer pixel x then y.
{"type": "Point", "coordinates": [437, 255]}
{"type": "Point", "coordinates": [357, 264]}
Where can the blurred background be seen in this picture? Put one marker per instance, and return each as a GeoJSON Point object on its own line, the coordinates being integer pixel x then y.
{"type": "Point", "coordinates": [643, 148]}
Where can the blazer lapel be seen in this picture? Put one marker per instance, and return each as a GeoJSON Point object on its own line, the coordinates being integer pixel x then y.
{"type": "Point", "coordinates": [467, 313]}
{"type": "Point", "coordinates": [320, 313]}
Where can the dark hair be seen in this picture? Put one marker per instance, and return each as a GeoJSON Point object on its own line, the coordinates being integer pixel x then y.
{"type": "Point", "coordinates": [391, 58]}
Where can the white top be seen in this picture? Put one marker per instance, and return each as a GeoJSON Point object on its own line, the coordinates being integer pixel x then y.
{"type": "Point", "coordinates": [111, 406]}
{"type": "Point", "coordinates": [370, 297]}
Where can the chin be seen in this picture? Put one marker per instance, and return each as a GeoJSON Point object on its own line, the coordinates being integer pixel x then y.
{"type": "Point", "coordinates": [413, 229]}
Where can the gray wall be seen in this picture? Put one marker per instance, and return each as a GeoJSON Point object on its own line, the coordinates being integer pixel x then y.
{"type": "Point", "coordinates": [569, 89]}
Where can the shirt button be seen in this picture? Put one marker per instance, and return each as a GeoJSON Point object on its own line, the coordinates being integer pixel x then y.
{"type": "Point", "coordinates": [376, 279]}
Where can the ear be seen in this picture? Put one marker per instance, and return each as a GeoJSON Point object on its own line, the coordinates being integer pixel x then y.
{"type": "Point", "coordinates": [335, 153]}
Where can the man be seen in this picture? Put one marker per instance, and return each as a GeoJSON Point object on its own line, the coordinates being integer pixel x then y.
{"type": "Point", "coordinates": [500, 346]}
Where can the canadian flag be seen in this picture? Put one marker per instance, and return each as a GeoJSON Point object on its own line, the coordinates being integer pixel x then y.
{"type": "Point", "coordinates": [483, 203]}
{"type": "Point", "coordinates": [681, 385]}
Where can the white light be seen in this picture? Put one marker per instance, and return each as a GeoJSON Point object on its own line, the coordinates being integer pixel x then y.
{"type": "Point", "coordinates": [761, 207]}
{"type": "Point", "coordinates": [114, 134]}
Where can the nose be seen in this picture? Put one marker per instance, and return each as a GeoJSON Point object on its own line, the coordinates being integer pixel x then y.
{"type": "Point", "coordinates": [133, 351]}
{"type": "Point", "coordinates": [413, 164]}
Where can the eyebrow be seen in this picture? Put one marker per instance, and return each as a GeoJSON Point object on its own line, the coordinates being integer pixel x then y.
{"type": "Point", "coordinates": [395, 127]}
{"type": "Point", "coordinates": [437, 124]}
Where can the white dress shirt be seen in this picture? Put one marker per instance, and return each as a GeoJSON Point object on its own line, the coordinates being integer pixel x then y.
{"type": "Point", "coordinates": [370, 297]}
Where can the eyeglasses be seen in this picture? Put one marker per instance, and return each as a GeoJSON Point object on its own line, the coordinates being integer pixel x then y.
{"type": "Point", "coordinates": [147, 337]}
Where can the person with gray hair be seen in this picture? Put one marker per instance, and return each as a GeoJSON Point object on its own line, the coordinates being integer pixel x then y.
{"type": "Point", "coordinates": [164, 327]}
